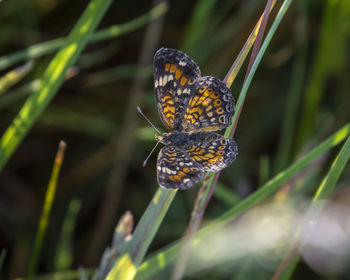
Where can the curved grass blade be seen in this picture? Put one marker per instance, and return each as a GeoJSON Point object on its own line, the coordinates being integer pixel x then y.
{"type": "Point", "coordinates": [41, 49]}
{"type": "Point", "coordinates": [134, 251]}
{"type": "Point", "coordinates": [45, 215]}
{"type": "Point", "coordinates": [52, 79]}
{"type": "Point", "coordinates": [162, 260]}
{"type": "Point", "coordinates": [288, 265]}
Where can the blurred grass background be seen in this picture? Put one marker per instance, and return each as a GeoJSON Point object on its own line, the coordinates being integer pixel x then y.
{"type": "Point", "coordinates": [298, 97]}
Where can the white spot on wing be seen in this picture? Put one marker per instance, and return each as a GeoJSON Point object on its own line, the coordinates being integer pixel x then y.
{"type": "Point", "coordinates": [182, 63]}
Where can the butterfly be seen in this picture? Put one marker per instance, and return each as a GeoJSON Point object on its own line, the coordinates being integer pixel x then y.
{"type": "Point", "coordinates": [190, 107]}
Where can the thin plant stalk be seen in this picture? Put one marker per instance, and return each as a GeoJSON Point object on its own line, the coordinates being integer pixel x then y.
{"type": "Point", "coordinates": [206, 192]}
{"type": "Point", "coordinates": [45, 215]}
{"type": "Point", "coordinates": [236, 66]}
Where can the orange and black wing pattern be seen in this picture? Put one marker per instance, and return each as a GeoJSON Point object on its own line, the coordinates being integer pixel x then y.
{"type": "Point", "coordinates": [176, 170]}
{"type": "Point", "coordinates": [210, 108]}
{"type": "Point", "coordinates": [211, 150]}
{"type": "Point", "coordinates": [175, 79]}
{"type": "Point", "coordinates": [190, 107]}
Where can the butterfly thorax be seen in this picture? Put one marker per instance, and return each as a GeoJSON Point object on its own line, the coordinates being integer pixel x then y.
{"type": "Point", "coordinates": [176, 138]}
{"type": "Point", "coordinates": [180, 139]}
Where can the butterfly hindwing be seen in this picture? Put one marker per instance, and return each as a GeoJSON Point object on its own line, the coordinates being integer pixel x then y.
{"type": "Point", "coordinates": [175, 79]}
{"type": "Point", "coordinates": [210, 108]}
{"type": "Point", "coordinates": [176, 170]}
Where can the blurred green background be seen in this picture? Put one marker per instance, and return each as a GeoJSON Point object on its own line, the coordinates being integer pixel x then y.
{"type": "Point", "coordinates": [299, 96]}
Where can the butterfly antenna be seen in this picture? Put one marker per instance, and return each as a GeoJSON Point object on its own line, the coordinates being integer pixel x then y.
{"type": "Point", "coordinates": [145, 162]}
{"type": "Point", "coordinates": [143, 115]}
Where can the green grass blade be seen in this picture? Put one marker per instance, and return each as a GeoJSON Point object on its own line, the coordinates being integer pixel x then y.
{"type": "Point", "coordinates": [64, 255]}
{"type": "Point", "coordinates": [323, 192]}
{"type": "Point", "coordinates": [134, 251]}
{"type": "Point", "coordinates": [41, 49]}
{"type": "Point", "coordinates": [45, 215]}
{"type": "Point", "coordinates": [162, 260]}
{"type": "Point", "coordinates": [328, 184]}
{"type": "Point", "coordinates": [52, 79]}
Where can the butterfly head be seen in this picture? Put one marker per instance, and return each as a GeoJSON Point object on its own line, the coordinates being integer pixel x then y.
{"type": "Point", "coordinates": [165, 138]}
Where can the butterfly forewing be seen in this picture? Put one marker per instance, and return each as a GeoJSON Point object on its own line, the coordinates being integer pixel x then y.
{"type": "Point", "coordinates": [175, 78]}
{"type": "Point", "coordinates": [210, 108]}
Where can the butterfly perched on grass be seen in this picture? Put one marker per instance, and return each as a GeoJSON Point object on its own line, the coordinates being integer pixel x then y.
{"type": "Point", "coordinates": [191, 107]}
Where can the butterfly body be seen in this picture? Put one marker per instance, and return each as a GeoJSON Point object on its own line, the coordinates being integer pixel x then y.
{"type": "Point", "coordinates": [191, 107]}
